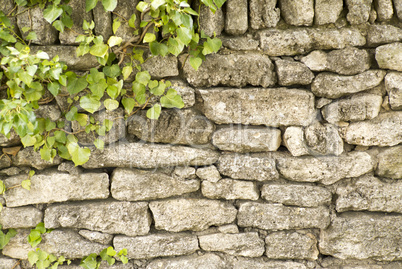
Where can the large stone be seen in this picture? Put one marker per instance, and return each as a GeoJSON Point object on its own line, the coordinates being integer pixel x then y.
{"type": "Point", "coordinates": [393, 85]}
{"type": "Point", "coordinates": [157, 245]}
{"type": "Point", "coordinates": [323, 139]}
{"type": "Point", "coordinates": [160, 67]}
{"type": "Point", "coordinates": [206, 261]}
{"type": "Point", "coordinates": [359, 11]}
{"type": "Point", "coordinates": [297, 12]}
{"type": "Point", "coordinates": [135, 185]}
{"type": "Point", "coordinates": [293, 73]}
{"type": "Point", "coordinates": [390, 163]}
{"type": "Point", "coordinates": [250, 167]}
{"type": "Point", "coordinates": [191, 214]}
{"type": "Point", "coordinates": [247, 139]}
{"type": "Point", "coordinates": [235, 69]}
{"type": "Point", "coordinates": [230, 189]}
{"type": "Point", "coordinates": [186, 127]}
{"type": "Point", "coordinates": [384, 9]}
{"type": "Point", "coordinates": [150, 156]}
{"type": "Point", "coordinates": [389, 56]}
{"type": "Point", "coordinates": [357, 107]}
{"type": "Point", "coordinates": [371, 194]}
{"type": "Point", "coordinates": [264, 13]}
{"type": "Point", "coordinates": [293, 140]}
{"type": "Point", "coordinates": [296, 41]}
{"type": "Point", "coordinates": [384, 130]}
{"type": "Point", "coordinates": [109, 217]}
{"type": "Point", "coordinates": [326, 169]}
{"type": "Point", "coordinates": [383, 34]}
{"type": "Point", "coordinates": [296, 195]}
{"type": "Point", "coordinates": [243, 244]}
{"type": "Point", "coordinates": [103, 21]}
{"type": "Point", "coordinates": [363, 236]}
{"type": "Point", "coordinates": [398, 8]}
{"type": "Point", "coordinates": [236, 21]}
{"type": "Point", "coordinates": [211, 22]}
{"type": "Point", "coordinates": [266, 264]}
{"type": "Point", "coordinates": [60, 187]}
{"type": "Point", "coordinates": [327, 11]}
{"type": "Point", "coordinates": [259, 106]}
{"type": "Point", "coordinates": [291, 245]}
{"type": "Point", "coordinates": [333, 86]}
{"type": "Point", "coordinates": [125, 9]}
{"type": "Point", "coordinates": [279, 217]}
{"type": "Point", "coordinates": [245, 42]}
{"type": "Point", "coordinates": [31, 158]}
{"type": "Point", "coordinates": [20, 217]}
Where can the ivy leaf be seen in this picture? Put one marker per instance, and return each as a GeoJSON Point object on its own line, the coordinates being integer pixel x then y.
{"type": "Point", "coordinates": [110, 251]}
{"type": "Point", "coordinates": [31, 36]}
{"type": "Point", "coordinates": [59, 25]}
{"type": "Point", "coordinates": [52, 12]}
{"type": "Point", "coordinates": [154, 112]}
{"type": "Point", "coordinates": [149, 37]}
{"type": "Point", "coordinates": [99, 50]}
{"type": "Point", "coordinates": [90, 104]}
{"type": "Point", "coordinates": [82, 119]}
{"type": "Point", "coordinates": [172, 99]}
{"type": "Point", "coordinates": [128, 104]}
{"type": "Point", "coordinates": [99, 144]}
{"type": "Point", "coordinates": [127, 70]}
{"type": "Point", "coordinates": [155, 4]}
{"type": "Point", "coordinates": [124, 259]}
{"type": "Point", "coordinates": [78, 155]}
{"type": "Point", "coordinates": [131, 21]}
{"type": "Point", "coordinates": [42, 55]}
{"type": "Point", "coordinates": [54, 88]}
{"type": "Point", "coordinates": [175, 47]}
{"type": "Point", "coordinates": [109, 5]}
{"type": "Point", "coordinates": [33, 257]}
{"type": "Point", "coordinates": [72, 114]}
{"type": "Point", "coordinates": [143, 77]}
{"type": "Point", "coordinates": [116, 24]}
{"type": "Point", "coordinates": [219, 3]}
{"type": "Point", "coordinates": [90, 4]}
{"type": "Point", "coordinates": [114, 41]}
{"type": "Point", "coordinates": [112, 71]}
{"type": "Point", "coordinates": [195, 62]}
{"type": "Point", "coordinates": [158, 48]}
{"type": "Point", "coordinates": [142, 6]}
{"type": "Point", "coordinates": [7, 37]}
{"type": "Point", "coordinates": [76, 85]}
{"type": "Point", "coordinates": [111, 104]}
{"type": "Point", "coordinates": [184, 35]}
{"type": "Point", "coordinates": [28, 140]}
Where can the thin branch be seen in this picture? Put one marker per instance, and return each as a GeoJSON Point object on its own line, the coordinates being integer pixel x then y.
{"type": "Point", "coordinates": [9, 13]}
{"type": "Point", "coordinates": [120, 16]}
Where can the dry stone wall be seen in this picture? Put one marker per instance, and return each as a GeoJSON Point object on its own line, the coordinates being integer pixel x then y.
{"type": "Point", "coordinates": [287, 154]}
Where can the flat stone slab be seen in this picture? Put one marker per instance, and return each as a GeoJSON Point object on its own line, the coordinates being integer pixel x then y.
{"type": "Point", "coordinates": [390, 163]}
{"type": "Point", "coordinates": [208, 260]}
{"type": "Point", "coordinates": [150, 156]}
{"type": "Point", "coordinates": [293, 73]}
{"type": "Point", "coordinates": [136, 185]}
{"type": "Point", "coordinates": [259, 106]}
{"type": "Point", "coordinates": [389, 56]}
{"type": "Point", "coordinates": [109, 217]}
{"type": "Point", "coordinates": [383, 34]}
{"type": "Point", "coordinates": [191, 214]}
{"type": "Point", "coordinates": [363, 236]}
{"type": "Point", "coordinates": [20, 217]}
{"type": "Point", "coordinates": [279, 217]}
{"type": "Point", "coordinates": [258, 263]}
{"type": "Point", "coordinates": [230, 189]}
{"type": "Point", "coordinates": [60, 187]}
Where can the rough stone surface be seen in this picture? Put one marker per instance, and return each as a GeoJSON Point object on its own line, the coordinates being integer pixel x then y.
{"type": "Point", "coordinates": [211, 23]}
{"type": "Point", "coordinates": [384, 9]}
{"type": "Point", "coordinates": [109, 217]}
{"type": "Point", "coordinates": [271, 107]}
{"type": "Point", "coordinates": [247, 140]}
{"type": "Point", "coordinates": [293, 139]}
{"type": "Point", "coordinates": [293, 73]}
{"type": "Point", "coordinates": [249, 167]}
{"type": "Point", "coordinates": [135, 185]}
{"type": "Point", "coordinates": [302, 40]}
{"type": "Point", "coordinates": [103, 21]}
{"type": "Point", "coordinates": [243, 244]}
{"type": "Point", "coordinates": [263, 14]}
{"type": "Point", "coordinates": [393, 85]}
{"type": "Point", "coordinates": [359, 11]}
{"type": "Point", "coordinates": [363, 236]}
{"type": "Point", "coordinates": [230, 189]}
{"type": "Point", "coordinates": [327, 11]}
{"type": "Point", "coordinates": [279, 217]}
{"type": "Point", "coordinates": [126, 8]}
{"type": "Point", "coordinates": [48, 111]}
{"type": "Point", "coordinates": [209, 173]}
{"type": "Point", "coordinates": [266, 264]}
{"type": "Point", "coordinates": [297, 12]}
{"type": "Point", "coordinates": [160, 67]}
{"type": "Point", "coordinates": [187, 93]}
{"type": "Point", "coordinates": [398, 8]}
{"type": "Point", "coordinates": [357, 107]}
{"type": "Point", "coordinates": [9, 263]}
{"type": "Point", "coordinates": [97, 237]}
{"type": "Point", "coordinates": [389, 56]}
{"type": "Point", "coordinates": [12, 141]}
{"type": "Point", "coordinates": [236, 70]}
{"type": "Point", "coordinates": [20, 217]}
{"type": "Point", "coordinates": [191, 214]}
{"type": "Point", "coordinates": [326, 169]}
{"type": "Point", "coordinates": [384, 130]}
{"type": "Point", "coordinates": [206, 261]}
{"type": "Point", "coordinates": [236, 20]}
{"type": "Point", "coordinates": [5, 162]}
{"type": "Point", "coordinates": [240, 43]}
{"type": "Point", "coordinates": [150, 156]}
{"type": "Point", "coordinates": [333, 86]}
{"type": "Point", "coordinates": [390, 163]}
{"type": "Point", "coordinates": [59, 187]}
{"type": "Point", "coordinates": [157, 245]}
{"type": "Point", "coordinates": [296, 195]}
{"type": "Point", "coordinates": [383, 34]}
{"type": "Point", "coordinates": [185, 172]}
{"type": "Point", "coordinates": [323, 139]}
{"type": "Point", "coordinates": [291, 245]}
{"type": "Point", "coordinates": [31, 158]}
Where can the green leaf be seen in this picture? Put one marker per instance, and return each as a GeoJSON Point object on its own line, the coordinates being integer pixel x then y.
{"type": "Point", "coordinates": [157, 3]}
{"type": "Point", "coordinates": [90, 4]}
{"type": "Point", "coordinates": [2, 187]}
{"type": "Point", "coordinates": [175, 47]}
{"type": "Point", "coordinates": [127, 70]}
{"type": "Point", "coordinates": [99, 144]}
{"type": "Point", "coordinates": [33, 257]}
{"type": "Point", "coordinates": [172, 99]}
{"type": "Point", "coordinates": [124, 259]}
{"type": "Point", "coordinates": [28, 140]}
{"type": "Point", "coordinates": [142, 6]}
{"type": "Point", "coordinates": [72, 114]}
{"type": "Point", "coordinates": [52, 12]}
{"type": "Point", "coordinates": [90, 103]}
{"type": "Point", "coordinates": [131, 21]}
{"type": "Point", "coordinates": [149, 37]}
{"type": "Point", "coordinates": [116, 24]}
{"type": "Point", "coordinates": [209, 4]}
{"type": "Point", "coordinates": [195, 62]}
{"type": "Point", "coordinates": [128, 104]}
{"type": "Point", "coordinates": [158, 48]}
{"type": "Point", "coordinates": [110, 251]}
{"type": "Point", "coordinates": [31, 36]}
{"type": "Point", "coordinates": [59, 25]}
{"type": "Point", "coordinates": [50, 125]}
{"type": "Point", "coordinates": [158, 90]}
{"type": "Point", "coordinates": [219, 3]}
{"type": "Point", "coordinates": [154, 112]}
{"type": "Point", "coordinates": [60, 136]}
{"type": "Point", "coordinates": [114, 41]}
{"type": "Point", "coordinates": [184, 35]}
{"type": "Point", "coordinates": [108, 124]}
{"type": "Point", "coordinates": [42, 55]}
{"type": "Point", "coordinates": [143, 77]}
{"type": "Point", "coordinates": [111, 104]}
{"type": "Point", "coordinates": [190, 11]}
{"type": "Point", "coordinates": [99, 50]}
{"type": "Point", "coordinates": [78, 155]}
{"type": "Point", "coordinates": [7, 37]}
{"type": "Point", "coordinates": [214, 44]}
{"type": "Point", "coordinates": [76, 85]}
{"type": "Point", "coordinates": [112, 71]}
{"type": "Point", "coordinates": [54, 88]}
{"type": "Point", "coordinates": [98, 89]}
{"type": "Point", "coordinates": [82, 119]}
{"type": "Point", "coordinates": [109, 5]}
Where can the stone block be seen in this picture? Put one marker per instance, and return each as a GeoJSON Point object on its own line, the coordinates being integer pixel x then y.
{"type": "Point", "coordinates": [9, 263]}
{"type": "Point", "coordinates": [211, 23]}
{"type": "Point", "coordinates": [384, 9]}
{"type": "Point", "coordinates": [20, 217]}
{"type": "Point", "coordinates": [97, 237]}
{"type": "Point", "coordinates": [390, 163]}
{"type": "Point", "coordinates": [244, 42]}
{"type": "Point", "coordinates": [327, 11]}
{"type": "Point", "coordinates": [31, 158]}
{"type": "Point", "coordinates": [209, 173]}
{"type": "Point", "coordinates": [247, 263]}
{"type": "Point", "coordinates": [359, 11]}
{"type": "Point", "coordinates": [293, 139]}
{"type": "Point", "coordinates": [389, 56]}
{"type": "Point", "coordinates": [230, 189]}
{"type": "Point", "coordinates": [236, 20]}
{"type": "Point", "coordinates": [398, 8]}
{"type": "Point", "coordinates": [103, 21]}
{"type": "Point", "coordinates": [393, 85]}
{"type": "Point", "coordinates": [323, 139]}
{"type": "Point", "coordinates": [264, 14]}
{"type": "Point", "coordinates": [383, 34]}
{"type": "Point", "coordinates": [293, 73]}
{"type": "Point", "coordinates": [297, 12]}
{"type": "Point", "coordinates": [206, 261]}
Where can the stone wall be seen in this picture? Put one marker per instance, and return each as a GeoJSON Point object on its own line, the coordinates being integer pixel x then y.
{"type": "Point", "coordinates": [287, 154]}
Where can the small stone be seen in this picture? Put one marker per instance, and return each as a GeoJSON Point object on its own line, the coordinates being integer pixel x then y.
{"type": "Point", "coordinates": [243, 244]}
{"type": "Point", "coordinates": [209, 173]}
{"type": "Point", "coordinates": [240, 43]}
{"type": "Point", "coordinates": [160, 67]}
{"type": "Point", "coordinates": [383, 34]}
{"type": "Point", "coordinates": [320, 103]}
{"type": "Point", "coordinates": [389, 56]}
{"type": "Point", "coordinates": [211, 22]}
{"type": "Point", "coordinates": [229, 229]}
{"type": "Point", "coordinates": [31, 158]}
{"type": "Point", "coordinates": [393, 85]}
{"type": "Point", "coordinates": [293, 139]}
{"type": "Point", "coordinates": [236, 19]}
{"type": "Point", "coordinates": [390, 163]}
{"type": "Point", "coordinates": [70, 168]}
{"type": "Point", "coordinates": [384, 9]}
{"type": "Point", "coordinates": [398, 8]}
{"type": "Point", "coordinates": [359, 11]}
{"type": "Point", "coordinates": [185, 172]}
{"type": "Point", "coordinates": [323, 139]}
{"type": "Point", "coordinates": [264, 14]}
{"type": "Point", "coordinates": [12, 171]}
{"type": "Point", "coordinates": [208, 260]}
{"type": "Point", "coordinates": [5, 162]}
{"type": "Point", "coordinates": [97, 237]}
{"type": "Point", "coordinates": [230, 189]}
{"type": "Point", "coordinates": [20, 217]}
{"type": "Point", "coordinates": [349, 61]}
{"type": "Point", "coordinates": [103, 21]}
{"type": "Point", "coordinates": [293, 73]}
{"type": "Point", "coordinates": [317, 60]}
{"type": "Point", "coordinates": [327, 11]}
{"type": "Point", "coordinates": [247, 263]}
{"type": "Point", "coordinates": [297, 12]}
{"type": "Point", "coordinates": [125, 9]}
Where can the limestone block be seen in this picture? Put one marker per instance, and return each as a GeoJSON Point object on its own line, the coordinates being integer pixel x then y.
{"type": "Point", "coordinates": [211, 23]}
{"type": "Point", "coordinates": [390, 163]}
{"type": "Point", "coordinates": [384, 9]}
{"type": "Point", "coordinates": [135, 185]}
{"type": "Point", "coordinates": [206, 261]}
{"type": "Point", "coordinates": [327, 11]}
{"type": "Point", "coordinates": [264, 14]}
{"type": "Point", "coordinates": [97, 237]}
{"type": "Point", "coordinates": [389, 56]}
{"type": "Point", "coordinates": [160, 67]}
{"type": "Point", "coordinates": [297, 12]}
{"type": "Point", "coordinates": [184, 172]}
{"type": "Point", "coordinates": [393, 85]}
{"type": "Point", "coordinates": [279, 217]}
{"type": "Point", "coordinates": [293, 139]}
{"type": "Point", "coordinates": [230, 189]}
{"type": "Point", "coordinates": [208, 173]}
{"type": "Point", "coordinates": [191, 214]}
{"type": "Point", "coordinates": [398, 8]}
{"type": "Point", "coordinates": [236, 20]}
{"type": "Point", "coordinates": [247, 263]}
{"type": "Point", "coordinates": [9, 263]}
{"type": "Point", "coordinates": [240, 43]}
{"type": "Point", "coordinates": [31, 158]}
{"type": "Point", "coordinates": [20, 217]}
{"type": "Point", "coordinates": [383, 34]}
{"type": "Point", "coordinates": [359, 11]}
{"type": "Point", "coordinates": [293, 73]}
{"type": "Point", "coordinates": [323, 139]}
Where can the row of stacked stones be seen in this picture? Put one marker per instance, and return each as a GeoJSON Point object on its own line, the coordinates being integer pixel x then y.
{"type": "Point", "coordinates": [286, 155]}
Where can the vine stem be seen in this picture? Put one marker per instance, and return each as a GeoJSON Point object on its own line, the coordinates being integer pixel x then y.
{"type": "Point", "coordinates": [16, 264]}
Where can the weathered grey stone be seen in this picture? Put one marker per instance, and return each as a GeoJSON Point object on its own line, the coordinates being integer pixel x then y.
{"type": "Point", "coordinates": [150, 156]}
{"type": "Point", "coordinates": [97, 237]}
{"type": "Point", "coordinates": [209, 173]}
{"type": "Point", "coordinates": [323, 139]}
{"type": "Point", "coordinates": [184, 126]}
{"type": "Point", "coordinates": [384, 9]}
{"type": "Point", "coordinates": [390, 163]}
{"type": "Point", "coordinates": [293, 73]}
{"type": "Point", "coordinates": [279, 217]}
{"type": "Point", "coordinates": [327, 11]}
{"type": "Point", "coordinates": [206, 261]}
{"type": "Point", "coordinates": [295, 41]}
{"type": "Point", "coordinates": [30, 157]}
{"type": "Point", "coordinates": [293, 139]}
{"type": "Point", "coordinates": [70, 168]}
{"type": "Point", "coordinates": [383, 34]}
{"type": "Point", "coordinates": [13, 140]}
{"type": "Point", "coordinates": [157, 245]}
{"type": "Point", "coordinates": [191, 214]}
{"type": "Point", "coordinates": [103, 264]}
{"type": "Point", "coordinates": [126, 8]}
{"type": "Point", "coordinates": [259, 106]}
{"type": "Point", "coordinates": [240, 43]}
{"type": "Point", "coordinates": [333, 86]}
{"type": "Point", "coordinates": [384, 130]}
{"type": "Point", "coordinates": [359, 11]}
{"type": "Point", "coordinates": [230, 189]}
{"type": "Point", "coordinates": [334, 263]}
{"type": "Point", "coordinates": [264, 13]}
{"type": "Point", "coordinates": [291, 245]}
{"type": "Point", "coordinates": [371, 194]}
{"type": "Point", "coordinates": [247, 139]}
{"type": "Point", "coordinates": [296, 195]}
{"type": "Point", "coordinates": [236, 70]}
{"type": "Point", "coordinates": [185, 172]}
{"type": "Point", "coordinates": [48, 111]}
{"type": "Point", "coordinates": [317, 60]}
{"type": "Point", "coordinates": [236, 20]}
{"type": "Point", "coordinates": [357, 107]}
{"type": "Point", "coordinates": [326, 169]}
{"type": "Point", "coordinates": [243, 244]}
{"type": "Point", "coordinates": [229, 229]}
{"type": "Point", "coordinates": [9, 263]}
{"type": "Point", "coordinates": [363, 236]}
{"type": "Point", "coordinates": [243, 263]}
{"type": "Point", "coordinates": [20, 217]}
{"type": "Point", "coordinates": [297, 12]}
{"type": "Point", "coordinates": [103, 21]}
{"type": "Point", "coordinates": [161, 67]}
{"type": "Point", "coordinates": [211, 23]}
{"type": "Point", "coordinates": [109, 217]}
{"type": "Point", "coordinates": [12, 171]}
{"type": "Point", "coordinates": [249, 167]}
{"type": "Point", "coordinates": [393, 85]}
{"type": "Point", "coordinates": [398, 8]}
{"type": "Point", "coordinates": [5, 161]}
{"type": "Point", "coordinates": [59, 187]}
{"type": "Point", "coordinates": [389, 56]}
{"type": "Point", "coordinates": [135, 185]}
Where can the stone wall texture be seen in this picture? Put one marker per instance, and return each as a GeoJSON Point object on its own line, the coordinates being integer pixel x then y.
{"type": "Point", "coordinates": [288, 153]}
